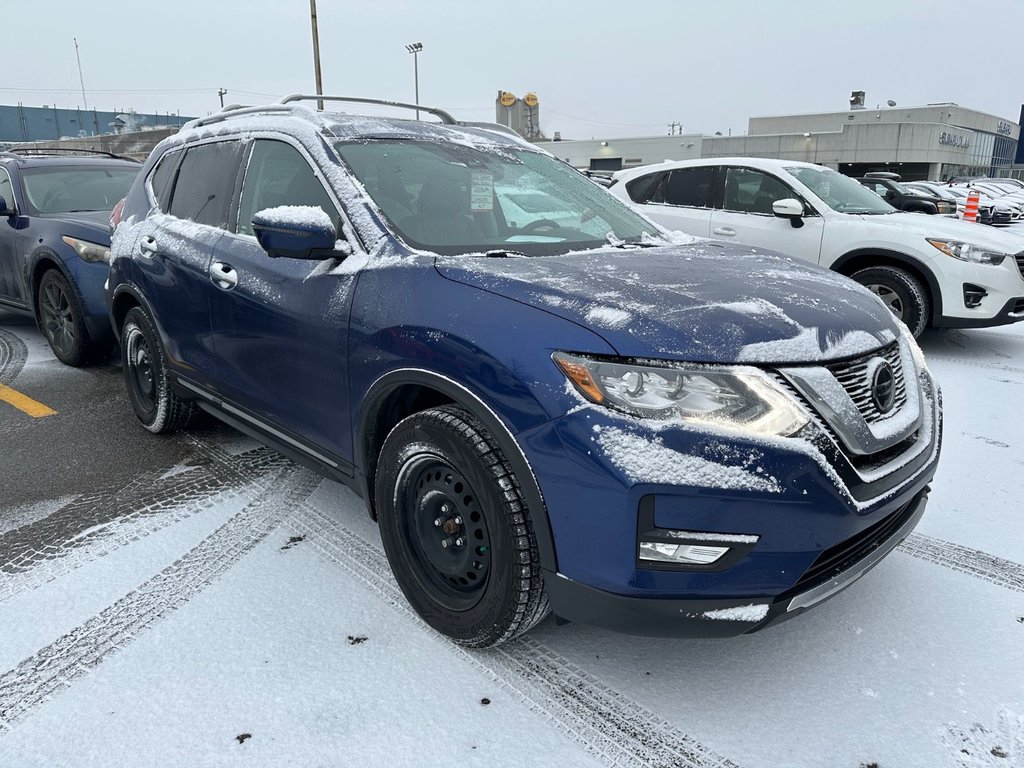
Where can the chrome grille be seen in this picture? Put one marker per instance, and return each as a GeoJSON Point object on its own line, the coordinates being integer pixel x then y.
{"type": "Point", "coordinates": [853, 376]}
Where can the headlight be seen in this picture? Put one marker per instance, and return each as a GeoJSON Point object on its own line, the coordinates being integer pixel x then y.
{"type": "Point", "coordinates": [968, 252]}
{"type": "Point", "coordinates": [738, 398]}
{"type": "Point", "coordinates": [87, 251]}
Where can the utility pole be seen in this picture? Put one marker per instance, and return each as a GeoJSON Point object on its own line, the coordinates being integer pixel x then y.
{"type": "Point", "coordinates": [221, 92]}
{"type": "Point", "coordinates": [316, 55]}
{"type": "Point", "coordinates": [81, 81]}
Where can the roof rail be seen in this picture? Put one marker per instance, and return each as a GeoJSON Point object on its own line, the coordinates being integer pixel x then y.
{"type": "Point", "coordinates": [235, 110]}
{"type": "Point", "coordinates": [22, 151]}
{"type": "Point", "coordinates": [445, 117]}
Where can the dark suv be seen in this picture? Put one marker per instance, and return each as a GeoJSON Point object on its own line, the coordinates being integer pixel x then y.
{"type": "Point", "coordinates": [55, 244]}
{"type": "Point", "coordinates": [895, 194]}
{"type": "Point", "coordinates": [570, 412]}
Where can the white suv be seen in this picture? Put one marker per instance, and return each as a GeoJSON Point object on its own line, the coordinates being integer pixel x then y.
{"type": "Point", "coordinates": [929, 270]}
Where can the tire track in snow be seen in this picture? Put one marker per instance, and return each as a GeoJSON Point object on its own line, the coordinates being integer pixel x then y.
{"type": "Point", "coordinates": [973, 562]}
{"type": "Point", "coordinates": [605, 723]}
{"type": "Point", "coordinates": [62, 662]}
{"type": "Point", "coordinates": [13, 354]}
{"type": "Point", "coordinates": [97, 523]}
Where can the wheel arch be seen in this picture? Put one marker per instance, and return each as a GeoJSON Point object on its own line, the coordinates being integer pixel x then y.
{"type": "Point", "coordinates": [403, 392]}
{"type": "Point", "coordinates": [43, 261]}
{"type": "Point", "coordinates": [125, 297]}
{"type": "Point", "coordinates": [862, 258]}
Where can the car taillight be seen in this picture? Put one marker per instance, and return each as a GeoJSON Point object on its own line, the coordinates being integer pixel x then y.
{"type": "Point", "coordinates": [115, 215]}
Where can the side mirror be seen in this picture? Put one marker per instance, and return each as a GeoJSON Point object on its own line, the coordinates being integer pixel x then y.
{"type": "Point", "coordinates": [7, 209]}
{"type": "Point", "coordinates": [295, 232]}
{"type": "Point", "coordinates": [791, 209]}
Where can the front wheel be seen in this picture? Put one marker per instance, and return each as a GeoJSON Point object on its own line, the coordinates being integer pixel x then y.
{"type": "Point", "coordinates": [61, 320]}
{"type": "Point", "coordinates": [901, 292]}
{"type": "Point", "coordinates": [145, 376]}
{"type": "Point", "coordinates": [456, 529]}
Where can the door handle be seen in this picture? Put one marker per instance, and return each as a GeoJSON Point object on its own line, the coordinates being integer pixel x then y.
{"type": "Point", "coordinates": [147, 246]}
{"type": "Point", "coordinates": [223, 275]}
{"type": "Point", "coordinates": [727, 231]}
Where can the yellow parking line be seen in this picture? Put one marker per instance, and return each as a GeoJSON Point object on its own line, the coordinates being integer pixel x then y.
{"type": "Point", "coordinates": [25, 403]}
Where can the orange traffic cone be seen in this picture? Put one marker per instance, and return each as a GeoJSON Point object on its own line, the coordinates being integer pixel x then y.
{"type": "Point", "coordinates": [971, 209]}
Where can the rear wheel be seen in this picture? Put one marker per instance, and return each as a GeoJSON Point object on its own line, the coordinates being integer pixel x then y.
{"type": "Point", "coordinates": [145, 376]}
{"type": "Point", "coordinates": [901, 292]}
{"type": "Point", "coordinates": [62, 321]}
{"type": "Point", "coordinates": [456, 529]}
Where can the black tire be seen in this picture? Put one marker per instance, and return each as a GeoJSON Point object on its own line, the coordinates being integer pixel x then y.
{"type": "Point", "coordinates": [145, 376]}
{"type": "Point", "coordinates": [442, 478]}
{"type": "Point", "coordinates": [901, 292]}
{"type": "Point", "coordinates": [62, 322]}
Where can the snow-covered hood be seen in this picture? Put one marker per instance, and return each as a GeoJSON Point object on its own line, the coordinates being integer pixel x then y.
{"type": "Point", "coordinates": [954, 229]}
{"type": "Point", "coordinates": [705, 302]}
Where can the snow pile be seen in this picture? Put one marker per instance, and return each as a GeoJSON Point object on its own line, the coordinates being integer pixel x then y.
{"type": "Point", "coordinates": [649, 460]}
{"type": "Point", "coordinates": [299, 216]}
{"type": "Point", "coordinates": [609, 317]}
{"type": "Point", "coordinates": [753, 612]}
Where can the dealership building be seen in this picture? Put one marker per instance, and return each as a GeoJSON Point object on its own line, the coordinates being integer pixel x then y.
{"type": "Point", "coordinates": [936, 141]}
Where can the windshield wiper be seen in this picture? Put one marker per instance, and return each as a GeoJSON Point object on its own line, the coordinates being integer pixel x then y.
{"type": "Point", "coordinates": [505, 255]}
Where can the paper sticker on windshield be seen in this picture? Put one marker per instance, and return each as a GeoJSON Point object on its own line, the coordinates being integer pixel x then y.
{"type": "Point", "coordinates": [481, 196]}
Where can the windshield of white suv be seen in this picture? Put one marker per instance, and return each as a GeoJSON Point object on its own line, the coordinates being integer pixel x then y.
{"type": "Point", "coordinates": [75, 188]}
{"type": "Point", "coordinates": [453, 199]}
{"type": "Point", "coordinates": [840, 193]}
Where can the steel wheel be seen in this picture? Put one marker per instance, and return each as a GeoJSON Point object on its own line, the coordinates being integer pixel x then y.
{"type": "Point", "coordinates": [140, 368]}
{"type": "Point", "coordinates": [444, 531]}
{"type": "Point", "coordinates": [58, 319]}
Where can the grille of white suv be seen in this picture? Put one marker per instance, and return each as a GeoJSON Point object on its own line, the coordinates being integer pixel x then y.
{"type": "Point", "coordinates": [1020, 262]}
{"type": "Point", "coordinates": [853, 375]}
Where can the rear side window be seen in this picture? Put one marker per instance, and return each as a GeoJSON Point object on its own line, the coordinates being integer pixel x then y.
{"type": "Point", "coordinates": [640, 189]}
{"type": "Point", "coordinates": [206, 182]}
{"type": "Point", "coordinates": [161, 179]}
{"type": "Point", "coordinates": [689, 186]}
{"type": "Point", "coordinates": [278, 174]}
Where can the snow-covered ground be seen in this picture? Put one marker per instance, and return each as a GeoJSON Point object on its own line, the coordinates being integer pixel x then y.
{"type": "Point", "coordinates": [238, 610]}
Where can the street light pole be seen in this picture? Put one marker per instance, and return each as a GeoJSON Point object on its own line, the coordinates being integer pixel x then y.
{"type": "Point", "coordinates": [415, 49]}
{"type": "Point", "coordinates": [221, 92]}
{"type": "Point", "coordinates": [316, 55]}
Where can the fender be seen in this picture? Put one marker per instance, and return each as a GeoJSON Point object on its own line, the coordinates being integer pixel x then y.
{"type": "Point", "coordinates": [473, 403]}
{"type": "Point", "coordinates": [920, 266]}
{"type": "Point", "coordinates": [45, 253]}
{"type": "Point", "coordinates": [132, 290]}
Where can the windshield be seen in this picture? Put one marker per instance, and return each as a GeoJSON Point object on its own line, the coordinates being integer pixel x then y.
{"type": "Point", "coordinates": [453, 198]}
{"type": "Point", "coordinates": [76, 188]}
{"type": "Point", "coordinates": [840, 193]}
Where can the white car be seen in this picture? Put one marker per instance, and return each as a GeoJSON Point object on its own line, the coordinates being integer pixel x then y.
{"type": "Point", "coordinates": [929, 270]}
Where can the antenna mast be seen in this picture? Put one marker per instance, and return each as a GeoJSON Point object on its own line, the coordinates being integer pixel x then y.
{"type": "Point", "coordinates": [81, 81]}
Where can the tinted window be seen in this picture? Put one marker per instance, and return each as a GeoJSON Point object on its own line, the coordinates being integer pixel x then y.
{"type": "Point", "coordinates": [640, 189]}
{"type": "Point", "coordinates": [6, 190]}
{"type": "Point", "coordinates": [278, 174]}
{"type": "Point", "coordinates": [161, 178]}
{"type": "Point", "coordinates": [206, 182]}
{"type": "Point", "coordinates": [750, 191]}
{"type": "Point", "coordinates": [689, 186]}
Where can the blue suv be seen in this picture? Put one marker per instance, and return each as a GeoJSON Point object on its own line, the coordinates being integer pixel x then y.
{"type": "Point", "coordinates": [55, 244]}
{"type": "Point", "coordinates": [548, 402]}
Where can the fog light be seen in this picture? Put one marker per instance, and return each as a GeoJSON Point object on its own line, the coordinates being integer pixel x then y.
{"type": "Point", "coordinates": [692, 554]}
{"type": "Point", "coordinates": [973, 294]}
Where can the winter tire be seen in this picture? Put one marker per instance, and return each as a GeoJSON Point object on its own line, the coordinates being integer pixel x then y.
{"type": "Point", "coordinates": [901, 292]}
{"type": "Point", "coordinates": [456, 529]}
{"type": "Point", "coordinates": [145, 376]}
{"type": "Point", "coordinates": [61, 320]}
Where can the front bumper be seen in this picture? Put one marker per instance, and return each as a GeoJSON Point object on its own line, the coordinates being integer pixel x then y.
{"type": "Point", "coordinates": [716, 617]}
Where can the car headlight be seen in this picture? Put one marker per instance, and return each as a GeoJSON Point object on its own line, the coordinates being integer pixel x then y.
{"type": "Point", "coordinates": [737, 398]}
{"type": "Point", "coordinates": [968, 252]}
{"type": "Point", "coordinates": [93, 252]}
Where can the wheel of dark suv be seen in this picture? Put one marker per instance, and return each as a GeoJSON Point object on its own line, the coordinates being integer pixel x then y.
{"type": "Point", "coordinates": [61, 320]}
{"type": "Point", "coordinates": [901, 292]}
{"type": "Point", "coordinates": [456, 529]}
{"type": "Point", "coordinates": [145, 375]}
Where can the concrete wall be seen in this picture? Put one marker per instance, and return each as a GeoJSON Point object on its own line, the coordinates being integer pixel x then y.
{"type": "Point", "coordinates": [136, 145]}
{"type": "Point", "coordinates": [633, 151]}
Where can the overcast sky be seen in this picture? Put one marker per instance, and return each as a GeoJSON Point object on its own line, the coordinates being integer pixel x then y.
{"type": "Point", "coordinates": [601, 68]}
